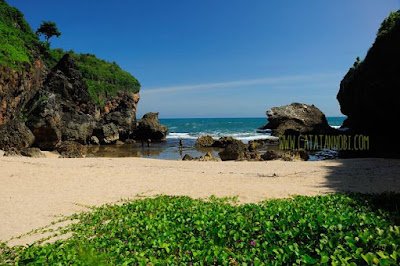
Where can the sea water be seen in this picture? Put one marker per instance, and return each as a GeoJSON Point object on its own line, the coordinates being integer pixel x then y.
{"type": "Point", "coordinates": [244, 129]}
{"type": "Point", "coordinates": [188, 130]}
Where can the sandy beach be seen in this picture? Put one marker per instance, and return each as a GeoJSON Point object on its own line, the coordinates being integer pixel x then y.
{"type": "Point", "coordinates": [35, 192]}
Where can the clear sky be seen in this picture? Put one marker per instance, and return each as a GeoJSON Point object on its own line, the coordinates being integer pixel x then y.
{"type": "Point", "coordinates": [221, 58]}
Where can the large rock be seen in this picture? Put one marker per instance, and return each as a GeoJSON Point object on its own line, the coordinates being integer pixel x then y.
{"type": "Point", "coordinates": [71, 149]}
{"type": "Point", "coordinates": [234, 151]}
{"type": "Point", "coordinates": [120, 110]}
{"type": "Point", "coordinates": [66, 81]}
{"type": "Point", "coordinates": [63, 109]}
{"type": "Point", "coordinates": [44, 119]}
{"type": "Point", "coordinates": [204, 141]}
{"type": "Point", "coordinates": [107, 134]}
{"type": "Point", "coordinates": [15, 134]}
{"type": "Point", "coordinates": [303, 118]}
{"type": "Point", "coordinates": [149, 127]}
{"type": "Point", "coordinates": [369, 92]}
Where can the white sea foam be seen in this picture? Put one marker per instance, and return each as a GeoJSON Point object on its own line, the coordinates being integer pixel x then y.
{"type": "Point", "coordinates": [245, 137]}
{"type": "Point", "coordinates": [180, 136]}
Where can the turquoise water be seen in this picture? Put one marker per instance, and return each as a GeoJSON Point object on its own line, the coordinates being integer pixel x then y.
{"type": "Point", "coordinates": [187, 130]}
{"type": "Point", "coordinates": [239, 128]}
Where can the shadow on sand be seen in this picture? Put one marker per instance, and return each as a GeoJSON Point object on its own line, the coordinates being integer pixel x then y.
{"type": "Point", "coordinates": [373, 181]}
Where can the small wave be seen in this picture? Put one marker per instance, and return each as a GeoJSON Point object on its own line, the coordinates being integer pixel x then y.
{"type": "Point", "coordinates": [180, 136]}
{"type": "Point", "coordinates": [245, 137]}
{"type": "Point", "coordinates": [335, 127]}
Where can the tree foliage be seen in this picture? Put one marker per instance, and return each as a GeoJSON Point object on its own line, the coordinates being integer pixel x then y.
{"type": "Point", "coordinates": [48, 29]}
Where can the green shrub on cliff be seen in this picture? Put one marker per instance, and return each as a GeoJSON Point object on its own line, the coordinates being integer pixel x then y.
{"type": "Point", "coordinates": [391, 23]}
{"type": "Point", "coordinates": [103, 78]}
{"type": "Point", "coordinates": [18, 44]}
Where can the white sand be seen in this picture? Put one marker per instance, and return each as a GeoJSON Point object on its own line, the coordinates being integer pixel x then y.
{"type": "Point", "coordinates": [33, 191]}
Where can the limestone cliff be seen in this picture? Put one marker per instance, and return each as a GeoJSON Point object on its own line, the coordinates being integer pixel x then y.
{"type": "Point", "coordinates": [370, 91]}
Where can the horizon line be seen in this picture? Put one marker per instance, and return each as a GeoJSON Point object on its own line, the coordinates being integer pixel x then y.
{"type": "Point", "coordinates": [265, 117]}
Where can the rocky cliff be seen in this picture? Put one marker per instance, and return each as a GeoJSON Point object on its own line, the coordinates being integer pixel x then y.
{"type": "Point", "coordinates": [43, 107]}
{"type": "Point", "coordinates": [370, 90]}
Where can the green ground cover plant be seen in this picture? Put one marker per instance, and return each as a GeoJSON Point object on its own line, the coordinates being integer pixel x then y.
{"type": "Point", "coordinates": [335, 229]}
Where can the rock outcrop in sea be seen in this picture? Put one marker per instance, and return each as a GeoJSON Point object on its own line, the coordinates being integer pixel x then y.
{"type": "Point", "coordinates": [370, 91]}
{"type": "Point", "coordinates": [149, 127]}
{"type": "Point", "coordinates": [297, 118]}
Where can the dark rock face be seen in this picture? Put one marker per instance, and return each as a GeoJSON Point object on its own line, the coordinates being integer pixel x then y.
{"type": "Point", "coordinates": [107, 134]}
{"type": "Point", "coordinates": [14, 134]}
{"type": "Point", "coordinates": [150, 128]}
{"type": "Point", "coordinates": [17, 88]}
{"type": "Point", "coordinates": [58, 107]}
{"type": "Point", "coordinates": [44, 120]}
{"type": "Point", "coordinates": [63, 109]}
{"type": "Point", "coordinates": [66, 81]}
{"type": "Point", "coordinates": [121, 111]}
{"type": "Point", "coordinates": [305, 119]}
{"type": "Point", "coordinates": [369, 93]}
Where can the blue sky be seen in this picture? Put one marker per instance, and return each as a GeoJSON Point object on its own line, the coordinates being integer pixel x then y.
{"type": "Point", "coordinates": [221, 58]}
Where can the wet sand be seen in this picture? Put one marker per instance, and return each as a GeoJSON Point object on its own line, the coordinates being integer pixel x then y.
{"type": "Point", "coordinates": [35, 191]}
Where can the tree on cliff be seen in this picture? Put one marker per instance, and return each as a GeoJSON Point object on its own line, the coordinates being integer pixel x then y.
{"type": "Point", "coordinates": [48, 29]}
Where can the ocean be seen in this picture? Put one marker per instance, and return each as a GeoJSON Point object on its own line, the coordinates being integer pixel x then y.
{"type": "Point", "coordinates": [244, 129]}
{"type": "Point", "coordinates": [188, 130]}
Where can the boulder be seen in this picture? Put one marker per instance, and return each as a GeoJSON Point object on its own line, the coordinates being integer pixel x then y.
{"type": "Point", "coordinates": [107, 134]}
{"type": "Point", "coordinates": [270, 155]}
{"type": "Point", "coordinates": [223, 142]}
{"type": "Point", "coordinates": [71, 149]}
{"type": "Point", "coordinates": [303, 118]}
{"type": "Point", "coordinates": [149, 127]}
{"type": "Point", "coordinates": [204, 141]}
{"type": "Point", "coordinates": [296, 155]}
{"type": "Point", "coordinates": [33, 152]}
{"type": "Point", "coordinates": [15, 134]}
{"type": "Point", "coordinates": [121, 111]}
{"type": "Point", "coordinates": [233, 151]}
{"type": "Point", "coordinates": [207, 157]}
{"type": "Point", "coordinates": [187, 157]}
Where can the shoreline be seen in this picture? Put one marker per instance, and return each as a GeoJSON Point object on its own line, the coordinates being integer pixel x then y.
{"type": "Point", "coordinates": [36, 190]}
